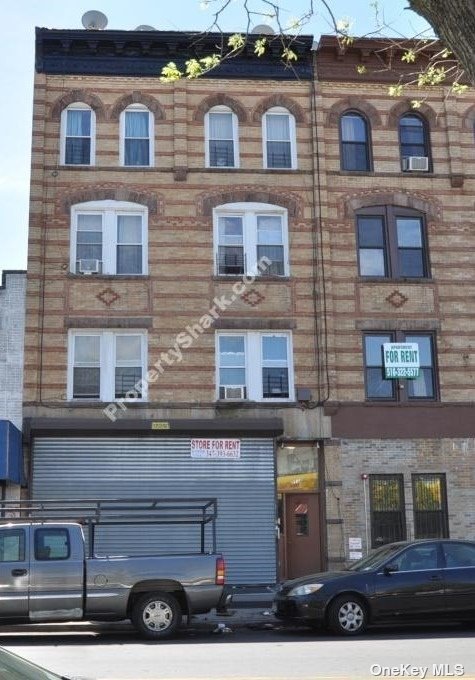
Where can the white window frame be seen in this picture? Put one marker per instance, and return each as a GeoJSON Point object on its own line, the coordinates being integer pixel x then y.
{"type": "Point", "coordinates": [151, 136]}
{"type": "Point", "coordinates": [249, 213]}
{"type": "Point", "coordinates": [279, 110]}
{"type": "Point", "coordinates": [235, 123]}
{"type": "Point", "coordinates": [253, 357]}
{"type": "Point", "coordinates": [109, 210]}
{"type": "Point", "coordinates": [63, 128]}
{"type": "Point", "coordinates": [107, 362]}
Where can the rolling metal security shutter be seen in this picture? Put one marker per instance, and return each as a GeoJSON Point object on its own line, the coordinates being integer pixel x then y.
{"type": "Point", "coordinates": [131, 467]}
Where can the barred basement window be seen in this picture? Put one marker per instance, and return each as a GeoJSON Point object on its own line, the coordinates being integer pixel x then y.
{"type": "Point", "coordinates": [430, 506]}
{"type": "Point", "coordinates": [388, 521]}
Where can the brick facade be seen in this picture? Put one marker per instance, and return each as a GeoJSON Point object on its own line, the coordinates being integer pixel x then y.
{"type": "Point", "coordinates": [12, 326]}
{"type": "Point", "coordinates": [442, 302]}
{"type": "Point", "coordinates": [324, 302]}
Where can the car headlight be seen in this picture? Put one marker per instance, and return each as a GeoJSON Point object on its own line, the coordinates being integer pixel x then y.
{"type": "Point", "coordinates": [307, 589]}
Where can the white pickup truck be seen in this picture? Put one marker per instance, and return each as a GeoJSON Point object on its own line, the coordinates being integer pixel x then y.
{"type": "Point", "coordinates": [49, 572]}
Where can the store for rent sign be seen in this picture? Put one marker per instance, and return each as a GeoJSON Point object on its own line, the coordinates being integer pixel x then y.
{"type": "Point", "coordinates": [225, 449]}
{"type": "Point", "coordinates": [401, 360]}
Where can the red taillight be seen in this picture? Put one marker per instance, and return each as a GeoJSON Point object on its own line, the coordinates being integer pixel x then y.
{"type": "Point", "coordinates": [220, 571]}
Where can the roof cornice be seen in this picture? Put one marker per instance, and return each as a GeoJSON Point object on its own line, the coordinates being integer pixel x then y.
{"type": "Point", "coordinates": [145, 53]}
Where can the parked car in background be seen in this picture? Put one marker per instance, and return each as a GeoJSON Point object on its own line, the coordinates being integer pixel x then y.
{"type": "Point", "coordinates": [418, 581]}
{"type": "Point", "coordinates": [13, 667]}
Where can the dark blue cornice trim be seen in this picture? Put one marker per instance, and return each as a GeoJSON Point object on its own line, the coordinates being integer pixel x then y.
{"type": "Point", "coordinates": [144, 53]}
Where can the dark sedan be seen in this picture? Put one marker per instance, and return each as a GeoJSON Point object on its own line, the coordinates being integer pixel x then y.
{"type": "Point", "coordinates": [427, 580]}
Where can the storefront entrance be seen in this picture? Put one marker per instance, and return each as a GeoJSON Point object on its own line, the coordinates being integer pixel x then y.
{"type": "Point", "coordinates": [300, 550]}
{"type": "Point", "coordinates": [302, 515]}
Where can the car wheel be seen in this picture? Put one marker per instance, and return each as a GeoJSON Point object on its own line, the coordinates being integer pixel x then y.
{"type": "Point", "coordinates": [347, 615]}
{"type": "Point", "coordinates": [156, 615]}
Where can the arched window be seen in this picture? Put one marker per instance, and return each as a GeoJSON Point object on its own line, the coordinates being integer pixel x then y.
{"type": "Point", "coordinates": [278, 134]}
{"type": "Point", "coordinates": [414, 143]}
{"type": "Point", "coordinates": [221, 138]}
{"type": "Point", "coordinates": [78, 132]}
{"type": "Point", "coordinates": [355, 145]}
{"type": "Point", "coordinates": [136, 136]}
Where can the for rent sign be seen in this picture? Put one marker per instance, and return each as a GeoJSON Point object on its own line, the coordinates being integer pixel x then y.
{"type": "Point", "coordinates": [229, 449]}
{"type": "Point", "coordinates": [401, 360]}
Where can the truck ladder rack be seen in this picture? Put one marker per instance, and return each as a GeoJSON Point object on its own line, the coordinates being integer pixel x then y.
{"type": "Point", "coordinates": [118, 511]}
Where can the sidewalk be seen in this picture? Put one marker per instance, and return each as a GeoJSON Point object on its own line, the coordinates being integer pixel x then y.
{"type": "Point", "coordinates": [247, 609]}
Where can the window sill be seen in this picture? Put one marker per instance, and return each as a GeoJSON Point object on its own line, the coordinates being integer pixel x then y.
{"type": "Point", "coordinates": [107, 277]}
{"type": "Point", "coordinates": [357, 173]}
{"type": "Point", "coordinates": [240, 277]}
{"type": "Point", "coordinates": [249, 403]}
{"type": "Point", "coordinates": [392, 281]}
{"type": "Point", "coordinates": [407, 403]}
{"type": "Point", "coordinates": [75, 401]}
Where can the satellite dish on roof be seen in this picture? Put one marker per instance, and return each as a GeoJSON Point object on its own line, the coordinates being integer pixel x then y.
{"type": "Point", "coordinates": [263, 29]}
{"type": "Point", "coordinates": [94, 20]}
{"type": "Point", "coordinates": [145, 27]}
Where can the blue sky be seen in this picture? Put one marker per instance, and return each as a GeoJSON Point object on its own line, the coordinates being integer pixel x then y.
{"type": "Point", "coordinates": [18, 21]}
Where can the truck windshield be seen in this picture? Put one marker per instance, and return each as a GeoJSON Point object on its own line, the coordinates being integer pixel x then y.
{"type": "Point", "coordinates": [376, 558]}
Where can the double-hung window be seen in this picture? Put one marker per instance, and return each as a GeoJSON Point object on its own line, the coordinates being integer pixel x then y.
{"type": "Point", "coordinates": [379, 388]}
{"type": "Point", "coordinates": [78, 124]}
{"type": "Point", "coordinates": [278, 134]}
{"type": "Point", "coordinates": [221, 134]}
{"type": "Point", "coordinates": [251, 238]}
{"type": "Point", "coordinates": [107, 365]}
{"type": "Point", "coordinates": [109, 237]}
{"type": "Point", "coordinates": [255, 365]}
{"type": "Point", "coordinates": [414, 142]}
{"type": "Point", "coordinates": [392, 243]}
{"type": "Point", "coordinates": [355, 146]}
{"type": "Point", "coordinates": [136, 148]}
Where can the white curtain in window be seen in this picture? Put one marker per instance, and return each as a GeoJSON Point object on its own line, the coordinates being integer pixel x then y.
{"type": "Point", "coordinates": [278, 127]}
{"type": "Point", "coordinates": [353, 129]}
{"type": "Point", "coordinates": [220, 126]}
{"type": "Point", "coordinates": [136, 124]}
{"type": "Point", "coordinates": [78, 123]}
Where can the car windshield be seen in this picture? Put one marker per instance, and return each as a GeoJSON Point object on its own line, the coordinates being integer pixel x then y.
{"type": "Point", "coordinates": [13, 667]}
{"type": "Point", "coordinates": [375, 558]}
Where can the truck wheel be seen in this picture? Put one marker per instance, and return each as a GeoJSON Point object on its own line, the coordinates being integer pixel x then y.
{"type": "Point", "coordinates": [347, 615]}
{"type": "Point", "coordinates": [156, 615]}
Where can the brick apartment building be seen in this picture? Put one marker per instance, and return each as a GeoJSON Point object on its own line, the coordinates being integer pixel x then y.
{"type": "Point", "coordinates": [12, 327]}
{"type": "Point", "coordinates": [397, 187]}
{"type": "Point", "coordinates": [150, 202]}
{"type": "Point", "coordinates": [151, 205]}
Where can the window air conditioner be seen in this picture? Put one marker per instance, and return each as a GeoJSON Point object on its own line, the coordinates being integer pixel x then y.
{"type": "Point", "coordinates": [237, 392]}
{"type": "Point", "coordinates": [416, 163]}
{"type": "Point", "coordinates": [88, 266]}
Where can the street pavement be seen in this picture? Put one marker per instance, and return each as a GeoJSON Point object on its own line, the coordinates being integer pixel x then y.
{"type": "Point", "coordinates": [251, 646]}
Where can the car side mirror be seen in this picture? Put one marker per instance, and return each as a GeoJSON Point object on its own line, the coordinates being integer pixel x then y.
{"type": "Point", "coordinates": [390, 569]}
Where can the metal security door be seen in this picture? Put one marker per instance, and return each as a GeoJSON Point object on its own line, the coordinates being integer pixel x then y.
{"type": "Point", "coordinates": [159, 466]}
{"type": "Point", "coordinates": [302, 530]}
